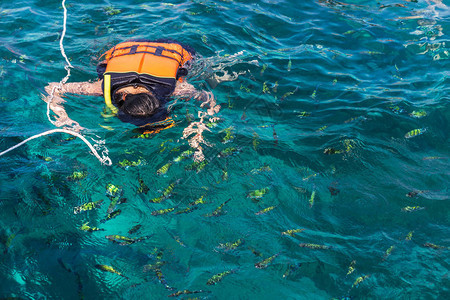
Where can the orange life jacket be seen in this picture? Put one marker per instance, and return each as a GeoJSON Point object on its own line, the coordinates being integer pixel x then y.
{"type": "Point", "coordinates": [155, 65]}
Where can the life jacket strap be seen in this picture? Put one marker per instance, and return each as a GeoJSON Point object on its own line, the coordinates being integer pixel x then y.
{"type": "Point", "coordinates": [129, 50]}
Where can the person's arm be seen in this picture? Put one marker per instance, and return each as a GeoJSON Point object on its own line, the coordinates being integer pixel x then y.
{"type": "Point", "coordinates": [195, 129]}
{"type": "Point", "coordinates": [55, 92]}
{"type": "Point", "coordinates": [188, 91]}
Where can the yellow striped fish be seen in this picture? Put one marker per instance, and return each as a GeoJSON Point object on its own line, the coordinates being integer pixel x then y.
{"type": "Point", "coordinates": [409, 236]}
{"type": "Point", "coordinates": [291, 232]}
{"type": "Point", "coordinates": [265, 210]}
{"type": "Point", "coordinates": [311, 200]}
{"type": "Point", "coordinates": [415, 132]}
{"type": "Point", "coordinates": [359, 280]}
{"type": "Point", "coordinates": [412, 208]}
{"type": "Point", "coordinates": [106, 268]}
{"type": "Point", "coordinates": [351, 268]}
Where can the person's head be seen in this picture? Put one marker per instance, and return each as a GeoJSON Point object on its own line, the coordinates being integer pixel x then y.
{"type": "Point", "coordinates": [136, 103]}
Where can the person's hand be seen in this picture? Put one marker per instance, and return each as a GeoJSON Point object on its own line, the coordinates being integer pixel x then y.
{"type": "Point", "coordinates": [208, 98]}
{"type": "Point", "coordinates": [61, 118]}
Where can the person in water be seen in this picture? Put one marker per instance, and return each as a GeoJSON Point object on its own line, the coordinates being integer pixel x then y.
{"type": "Point", "coordinates": [137, 78]}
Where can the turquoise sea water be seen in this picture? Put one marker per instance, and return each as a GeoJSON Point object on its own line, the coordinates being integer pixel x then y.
{"type": "Point", "coordinates": [327, 92]}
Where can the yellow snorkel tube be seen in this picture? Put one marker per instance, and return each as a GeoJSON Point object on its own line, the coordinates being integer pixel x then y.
{"type": "Point", "coordinates": [107, 93]}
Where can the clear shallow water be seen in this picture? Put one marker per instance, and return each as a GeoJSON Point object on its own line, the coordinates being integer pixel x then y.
{"type": "Point", "coordinates": [359, 68]}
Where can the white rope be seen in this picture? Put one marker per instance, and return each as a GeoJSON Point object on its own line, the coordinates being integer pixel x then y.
{"type": "Point", "coordinates": [67, 67]}
{"type": "Point", "coordinates": [62, 37]}
{"type": "Point", "coordinates": [104, 159]}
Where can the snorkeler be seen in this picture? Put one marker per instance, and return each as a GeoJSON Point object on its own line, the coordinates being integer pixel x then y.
{"type": "Point", "coordinates": [136, 79]}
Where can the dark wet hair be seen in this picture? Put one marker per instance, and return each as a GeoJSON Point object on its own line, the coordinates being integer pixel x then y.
{"type": "Point", "coordinates": [137, 105]}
